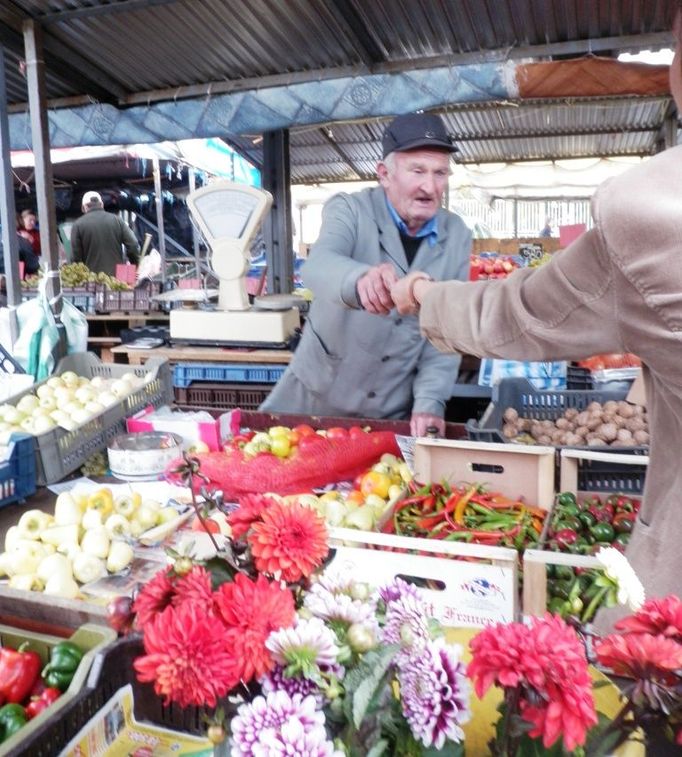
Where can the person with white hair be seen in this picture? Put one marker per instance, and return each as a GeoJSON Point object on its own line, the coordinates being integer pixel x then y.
{"type": "Point", "coordinates": [97, 237]}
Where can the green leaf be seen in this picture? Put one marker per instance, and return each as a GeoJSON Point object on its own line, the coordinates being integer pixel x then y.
{"type": "Point", "coordinates": [371, 673]}
{"type": "Point", "coordinates": [378, 749]}
{"type": "Point", "coordinates": [449, 749]}
{"type": "Point", "coordinates": [220, 572]}
{"type": "Point", "coordinates": [533, 748]}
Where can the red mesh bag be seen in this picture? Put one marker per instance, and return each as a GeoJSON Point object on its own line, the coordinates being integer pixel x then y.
{"type": "Point", "coordinates": [327, 461]}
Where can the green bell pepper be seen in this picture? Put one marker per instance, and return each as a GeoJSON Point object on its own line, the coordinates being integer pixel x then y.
{"type": "Point", "coordinates": [64, 661]}
{"type": "Point", "coordinates": [12, 718]}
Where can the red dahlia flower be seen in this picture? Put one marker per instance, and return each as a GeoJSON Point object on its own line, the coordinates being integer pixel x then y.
{"type": "Point", "coordinates": [251, 507]}
{"type": "Point", "coordinates": [640, 655]}
{"type": "Point", "coordinates": [250, 611]}
{"type": "Point", "coordinates": [194, 587]}
{"type": "Point", "coordinates": [289, 538]}
{"type": "Point", "coordinates": [155, 596]}
{"type": "Point", "coordinates": [656, 616]}
{"type": "Point", "coordinates": [187, 658]}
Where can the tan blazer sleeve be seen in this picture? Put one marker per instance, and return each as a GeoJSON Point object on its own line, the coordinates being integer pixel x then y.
{"type": "Point", "coordinates": [564, 310]}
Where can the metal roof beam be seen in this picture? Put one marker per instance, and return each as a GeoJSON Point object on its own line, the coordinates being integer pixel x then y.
{"type": "Point", "coordinates": [347, 17]}
{"type": "Point", "coordinates": [577, 47]}
{"type": "Point", "coordinates": [124, 6]}
{"type": "Point", "coordinates": [338, 149]}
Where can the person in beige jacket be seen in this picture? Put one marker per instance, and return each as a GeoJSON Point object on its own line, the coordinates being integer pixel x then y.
{"type": "Point", "coordinates": [618, 288]}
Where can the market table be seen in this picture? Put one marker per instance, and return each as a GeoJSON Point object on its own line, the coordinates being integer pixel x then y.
{"type": "Point", "coordinates": [126, 354]}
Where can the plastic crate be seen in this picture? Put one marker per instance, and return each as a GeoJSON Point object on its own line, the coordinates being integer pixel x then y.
{"type": "Point", "coordinates": [222, 396]}
{"type": "Point", "coordinates": [578, 378]}
{"type": "Point", "coordinates": [186, 373]}
{"type": "Point", "coordinates": [534, 403]}
{"type": "Point", "coordinates": [139, 300]}
{"type": "Point", "coordinates": [589, 470]}
{"type": "Point", "coordinates": [112, 669]}
{"type": "Point", "coordinates": [60, 452]}
{"type": "Point", "coordinates": [18, 472]}
{"type": "Point", "coordinates": [92, 639]}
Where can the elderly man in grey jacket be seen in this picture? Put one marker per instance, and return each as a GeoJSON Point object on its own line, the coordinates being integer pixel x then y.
{"type": "Point", "coordinates": [357, 356]}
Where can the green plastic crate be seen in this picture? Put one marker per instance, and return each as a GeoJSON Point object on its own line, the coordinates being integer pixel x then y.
{"type": "Point", "coordinates": [91, 638]}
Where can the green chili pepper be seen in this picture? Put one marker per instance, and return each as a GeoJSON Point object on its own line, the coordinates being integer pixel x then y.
{"type": "Point", "coordinates": [12, 718]}
{"type": "Point", "coordinates": [64, 661]}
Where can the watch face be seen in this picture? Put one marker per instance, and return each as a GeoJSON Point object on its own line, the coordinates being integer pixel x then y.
{"type": "Point", "coordinates": [226, 212]}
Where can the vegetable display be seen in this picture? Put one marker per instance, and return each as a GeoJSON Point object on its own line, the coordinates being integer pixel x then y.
{"type": "Point", "coordinates": [613, 424]}
{"type": "Point", "coordinates": [466, 513]}
{"type": "Point", "coordinates": [64, 661]}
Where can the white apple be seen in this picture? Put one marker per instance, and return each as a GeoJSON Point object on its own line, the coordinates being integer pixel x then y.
{"type": "Point", "coordinates": [63, 394]}
{"type": "Point", "coordinates": [69, 378]}
{"type": "Point", "coordinates": [107, 399]}
{"type": "Point", "coordinates": [97, 382]}
{"type": "Point", "coordinates": [55, 381]}
{"type": "Point", "coordinates": [71, 407]}
{"type": "Point", "coordinates": [84, 395]}
{"type": "Point", "coordinates": [48, 403]}
{"type": "Point", "coordinates": [58, 415]}
{"type": "Point", "coordinates": [82, 381]}
{"type": "Point", "coordinates": [4, 408]}
{"type": "Point", "coordinates": [94, 407]}
{"type": "Point", "coordinates": [120, 388]}
{"type": "Point", "coordinates": [44, 391]}
{"type": "Point", "coordinates": [43, 423]}
{"type": "Point", "coordinates": [27, 425]}
{"type": "Point", "coordinates": [13, 416]}
{"type": "Point", "coordinates": [28, 403]}
{"type": "Point", "coordinates": [148, 376]}
{"type": "Point", "coordinates": [38, 411]}
{"type": "Point", "coordinates": [81, 416]}
{"type": "Point", "coordinates": [68, 424]}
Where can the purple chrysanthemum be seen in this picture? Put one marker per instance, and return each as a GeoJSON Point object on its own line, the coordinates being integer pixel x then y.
{"type": "Point", "coordinates": [339, 606]}
{"type": "Point", "coordinates": [434, 693]}
{"type": "Point", "coordinates": [262, 726]}
{"type": "Point", "coordinates": [397, 590]}
{"type": "Point", "coordinates": [307, 645]}
{"type": "Point", "coordinates": [293, 739]}
{"type": "Point", "coordinates": [275, 680]}
{"type": "Point", "coordinates": [406, 622]}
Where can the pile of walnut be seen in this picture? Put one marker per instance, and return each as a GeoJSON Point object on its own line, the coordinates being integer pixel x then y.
{"type": "Point", "coordinates": [613, 424]}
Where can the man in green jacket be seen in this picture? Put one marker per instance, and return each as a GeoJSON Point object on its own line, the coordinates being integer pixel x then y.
{"type": "Point", "coordinates": [97, 237]}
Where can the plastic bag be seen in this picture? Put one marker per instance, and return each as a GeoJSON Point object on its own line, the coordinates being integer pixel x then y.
{"type": "Point", "coordinates": [38, 338]}
{"type": "Point", "coordinates": [76, 327]}
{"type": "Point", "coordinates": [149, 266]}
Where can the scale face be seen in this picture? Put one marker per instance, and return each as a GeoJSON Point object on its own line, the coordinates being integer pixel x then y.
{"type": "Point", "coordinates": [229, 215]}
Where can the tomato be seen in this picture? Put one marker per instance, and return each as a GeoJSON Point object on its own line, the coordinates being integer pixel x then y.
{"type": "Point", "coordinates": [355, 431]}
{"type": "Point", "coordinates": [308, 442]}
{"type": "Point", "coordinates": [280, 446]}
{"type": "Point", "coordinates": [294, 437]}
{"type": "Point", "coordinates": [336, 432]}
{"type": "Point", "coordinates": [304, 429]}
{"type": "Point", "coordinates": [211, 526]}
{"type": "Point", "coordinates": [356, 497]}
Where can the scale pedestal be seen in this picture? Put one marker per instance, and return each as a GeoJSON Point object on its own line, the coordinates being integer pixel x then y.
{"type": "Point", "coordinates": [234, 326]}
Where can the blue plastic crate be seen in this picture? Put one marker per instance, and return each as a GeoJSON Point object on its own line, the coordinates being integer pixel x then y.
{"type": "Point", "coordinates": [185, 374]}
{"type": "Point", "coordinates": [18, 472]}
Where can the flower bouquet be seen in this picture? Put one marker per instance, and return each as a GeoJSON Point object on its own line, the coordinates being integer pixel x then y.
{"type": "Point", "coordinates": [288, 657]}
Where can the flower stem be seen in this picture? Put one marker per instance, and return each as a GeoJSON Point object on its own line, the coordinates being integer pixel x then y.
{"type": "Point", "coordinates": [594, 604]}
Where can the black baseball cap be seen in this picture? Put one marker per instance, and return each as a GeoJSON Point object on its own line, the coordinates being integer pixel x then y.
{"type": "Point", "coordinates": [413, 130]}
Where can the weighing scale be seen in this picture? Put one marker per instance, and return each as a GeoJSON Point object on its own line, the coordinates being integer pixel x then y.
{"type": "Point", "coordinates": [229, 216]}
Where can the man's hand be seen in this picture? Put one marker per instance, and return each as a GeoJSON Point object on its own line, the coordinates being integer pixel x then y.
{"type": "Point", "coordinates": [402, 292]}
{"type": "Point", "coordinates": [374, 289]}
{"type": "Point", "coordinates": [419, 422]}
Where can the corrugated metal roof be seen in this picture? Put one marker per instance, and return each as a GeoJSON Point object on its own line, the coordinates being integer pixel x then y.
{"type": "Point", "coordinates": [125, 50]}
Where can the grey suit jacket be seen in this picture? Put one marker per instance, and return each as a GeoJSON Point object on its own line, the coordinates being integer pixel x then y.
{"type": "Point", "coordinates": [350, 362]}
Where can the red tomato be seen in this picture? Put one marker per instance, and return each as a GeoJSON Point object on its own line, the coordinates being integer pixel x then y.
{"type": "Point", "coordinates": [309, 441]}
{"type": "Point", "coordinates": [304, 430]}
{"type": "Point", "coordinates": [355, 431]}
{"type": "Point", "coordinates": [211, 525]}
{"type": "Point", "coordinates": [294, 437]}
{"type": "Point", "coordinates": [336, 432]}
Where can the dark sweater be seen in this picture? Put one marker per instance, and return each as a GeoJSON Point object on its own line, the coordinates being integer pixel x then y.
{"type": "Point", "coordinates": [97, 238]}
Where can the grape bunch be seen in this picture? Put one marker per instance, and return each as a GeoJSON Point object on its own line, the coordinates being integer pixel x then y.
{"type": "Point", "coordinates": [96, 465]}
{"type": "Point", "coordinates": [78, 274]}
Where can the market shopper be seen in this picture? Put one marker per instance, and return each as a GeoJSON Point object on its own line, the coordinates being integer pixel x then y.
{"type": "Point", "coordinates": [618, 288]}
{"type": "Point", "coordinates": [357, 357]}
{"type": "Point", "coordinates": [97, 237]}
{"type": "Point", "coordinates": [28, 229]}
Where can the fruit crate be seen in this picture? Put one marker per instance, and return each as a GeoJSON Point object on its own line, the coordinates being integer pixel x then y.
{"type": "Point", "coordinates": [222, 396]}
{"type": "Point", "coordinates": [18, 470]}
{"type": "Point", "coordinates": [60, 452]}
{"type": "Point", "coordinates": [92, 639]}
{"type": "Point", "coordinates": [112, 669]}
{"type": "Point", "coordinates": [139, 300]}
{"type": "Point", "coordinates": [82, 297]}
{"type": "Point", "coordinates": [185, 374]}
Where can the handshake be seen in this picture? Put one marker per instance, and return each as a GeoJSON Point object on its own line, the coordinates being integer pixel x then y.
{"type": "Point", "coordinates": [380, 290]}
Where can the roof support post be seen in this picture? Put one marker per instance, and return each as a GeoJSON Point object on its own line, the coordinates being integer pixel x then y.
{"type": "Point", "coordinates": [277, 226]}
{"type": "Point", "coordinates": [667, 134]}
{"type": "Point", "coordinates": [7, 209]}
{"type": "Point", "coordinates": [37, 101]}
{"type": "Point", "coordinates": [159, 215]}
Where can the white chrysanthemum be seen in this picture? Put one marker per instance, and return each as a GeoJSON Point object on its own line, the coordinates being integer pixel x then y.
{"type": "Point", "coordinates": [619, 570]}
{"type": "Point", "coordinates": [331, 606]}
{"type": "Point", "coordinates": [308, 640]}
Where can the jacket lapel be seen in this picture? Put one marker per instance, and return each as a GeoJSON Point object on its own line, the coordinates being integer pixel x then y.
{"type": "Point", "coordinates": [389, 238]}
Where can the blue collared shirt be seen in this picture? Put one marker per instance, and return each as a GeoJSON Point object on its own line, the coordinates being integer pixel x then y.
{"type": "Point", "coordinates": [428, 230]}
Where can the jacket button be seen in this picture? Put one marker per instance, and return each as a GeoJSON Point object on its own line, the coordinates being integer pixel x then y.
{"type": "Point", "coordinates": [398, 321]}
{"type": "Point", "coordinates": [372, 395]}
{"type": "Point", "coordinates": [385, 358]}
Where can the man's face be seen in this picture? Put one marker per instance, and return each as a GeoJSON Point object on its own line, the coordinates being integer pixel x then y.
{"type": "Point", "coordinates": [415, 184]}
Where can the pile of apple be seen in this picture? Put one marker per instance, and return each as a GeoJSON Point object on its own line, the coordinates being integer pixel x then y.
{"type": "Point", "coordinates": [373, 493]}
{"type": "Point", "coordinates": [67, 401]}
{"type": "Point", "coordinates": [498, 267]}
{"type": "Point", "coordinates": [88, 537]}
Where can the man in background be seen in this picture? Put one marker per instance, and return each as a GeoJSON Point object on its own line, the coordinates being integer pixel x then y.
{"type": "Point", "coordinates": [357, 356]}
{"type": "Point", "coordinates": [97, 237]}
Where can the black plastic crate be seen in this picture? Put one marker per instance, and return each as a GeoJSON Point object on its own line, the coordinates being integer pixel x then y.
{"type": "Point", "coordinates": [222, 396]}
{"type": "Point", "coordinates": [579, 378]}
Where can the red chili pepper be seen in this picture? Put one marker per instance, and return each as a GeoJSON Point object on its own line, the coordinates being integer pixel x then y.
{"type": "Point", "coordinates": [19, 670]}
{"type": "Point", "coordinates": [42, 702]}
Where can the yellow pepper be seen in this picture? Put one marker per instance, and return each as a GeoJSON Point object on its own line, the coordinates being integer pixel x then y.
{"type": "Point", "coordinates": [102, 500]}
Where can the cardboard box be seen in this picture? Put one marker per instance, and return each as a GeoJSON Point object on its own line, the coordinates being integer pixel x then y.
{"type": "Point", "coordinates": [191, 426]}
{"type": "Point", "coordinates": [523, 472]}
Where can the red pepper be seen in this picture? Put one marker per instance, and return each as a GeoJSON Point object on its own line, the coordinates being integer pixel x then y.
{"type": "Point", "coordinates": [19, 670]}
{"type": "Point", "coordinates": [42, 702]}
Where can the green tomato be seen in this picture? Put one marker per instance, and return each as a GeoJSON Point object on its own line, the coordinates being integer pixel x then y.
{"type": "Point", "coordinates": [280, 446]}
